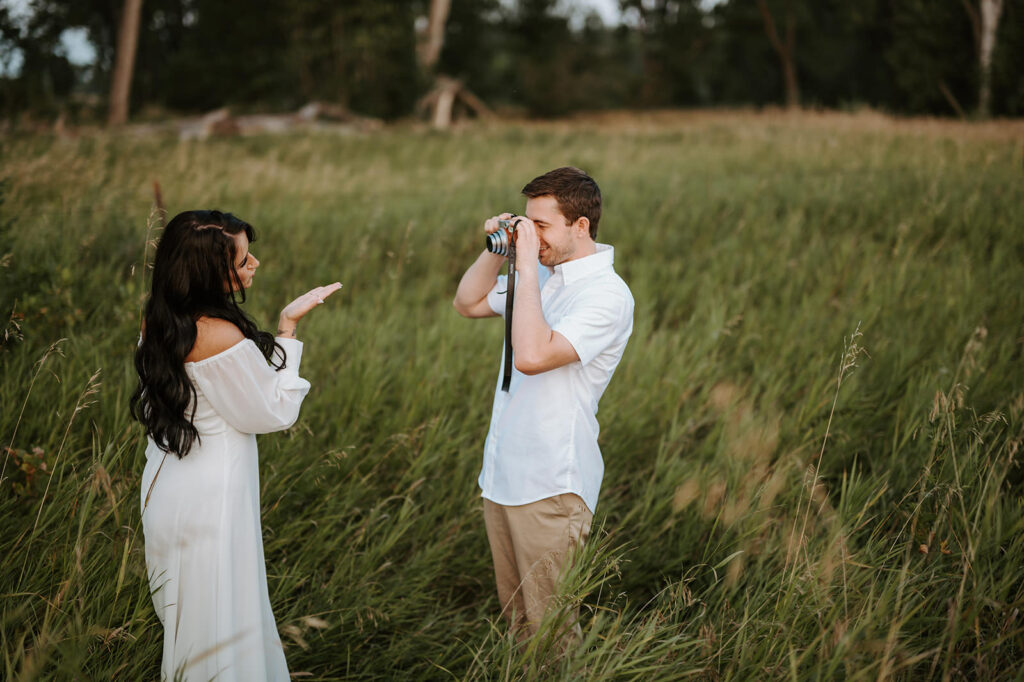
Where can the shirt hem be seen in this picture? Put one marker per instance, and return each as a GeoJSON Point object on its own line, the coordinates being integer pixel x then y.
{"type": "Point", "coordinates": [544, 496]}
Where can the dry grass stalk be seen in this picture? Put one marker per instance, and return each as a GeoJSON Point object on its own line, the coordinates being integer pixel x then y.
{"type": "Point", "coordinates": [53, 349]}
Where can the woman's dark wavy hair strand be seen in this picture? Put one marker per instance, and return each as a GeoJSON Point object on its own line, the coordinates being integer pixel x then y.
{"type": "Point", "coordinates": [193, 265]}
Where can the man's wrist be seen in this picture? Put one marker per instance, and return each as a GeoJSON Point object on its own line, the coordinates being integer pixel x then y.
{"type": "Point", "coordinates": [527, 267]}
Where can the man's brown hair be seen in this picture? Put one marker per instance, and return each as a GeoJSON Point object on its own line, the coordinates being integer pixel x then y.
{"type": "Point", "coordinates": [576, 193]}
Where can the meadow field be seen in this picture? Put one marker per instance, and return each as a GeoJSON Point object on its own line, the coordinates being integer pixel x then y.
{"type": "Point", "coordinates": [812, 444]}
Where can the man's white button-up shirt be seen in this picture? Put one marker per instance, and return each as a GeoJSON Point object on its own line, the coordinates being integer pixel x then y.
{"type": "Point", "coordinates": [543, 436]}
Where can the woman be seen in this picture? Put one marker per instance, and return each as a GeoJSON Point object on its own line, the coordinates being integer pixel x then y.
{"type": "Point", "coordinates": [209, 380]}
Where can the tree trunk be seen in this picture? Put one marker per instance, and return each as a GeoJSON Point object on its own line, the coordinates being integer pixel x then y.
{"type": "Point", "coordinates": [433, 41]}
{"type": "Point", "coordinates": [443, 109]}
{"type": "Point", "coordinates": [124, 63]}
{"type": "Point", "coordinates": [990, 12]}
{"type": "Point", "coordinates": [785, 51]}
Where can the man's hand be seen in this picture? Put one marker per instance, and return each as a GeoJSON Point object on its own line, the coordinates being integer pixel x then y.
{"type": "Point", "coordinates": [491, 224]}
{"type": "Point", "coordinates": [471, 296]}
{"type": "Point", "coordinates": [527, 245]}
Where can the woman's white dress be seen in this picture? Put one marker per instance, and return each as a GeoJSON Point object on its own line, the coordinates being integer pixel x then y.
{"type": "Point", "coordinates": [201, 520]}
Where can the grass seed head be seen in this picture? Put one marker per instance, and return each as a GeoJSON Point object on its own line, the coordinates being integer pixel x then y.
{"type": "Point", "coordinates": [685, 495]}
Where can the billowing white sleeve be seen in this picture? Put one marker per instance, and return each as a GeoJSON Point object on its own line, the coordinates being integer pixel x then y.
{"type": "Point", "coordinates": [247, 392]}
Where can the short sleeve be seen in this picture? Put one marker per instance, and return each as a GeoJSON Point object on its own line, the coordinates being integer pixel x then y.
{"type": "Point", "coordinates": [498, 293]}
{"type": "Point", "coordinates": [596, 320]}
{"type": "Point", "coordinates": [496, 296]}
{"type": "Point", "coordinates": [247, 392]}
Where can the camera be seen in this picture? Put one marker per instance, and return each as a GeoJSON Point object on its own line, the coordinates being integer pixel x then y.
{"type": "Point", "coordinates": [502, 239]}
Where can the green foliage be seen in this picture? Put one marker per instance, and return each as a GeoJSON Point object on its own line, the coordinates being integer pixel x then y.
{"type": "Point", "coordinates": [1007, 76]}
{"type": "Point", "coordinates": [812, 443]}
{"type": "Point", "coordinates": [923, 34]}
{"type": "Point", "coordinates": [541, 57]}
{"type": "Point", "coordinates": [46, 77]}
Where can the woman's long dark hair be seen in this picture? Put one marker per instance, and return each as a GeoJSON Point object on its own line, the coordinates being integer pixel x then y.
{"type": "Point", "coordinates": [193, 276]}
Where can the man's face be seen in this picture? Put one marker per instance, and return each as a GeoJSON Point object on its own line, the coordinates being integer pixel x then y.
{"type": "Point", "coordinates": [558, 239]}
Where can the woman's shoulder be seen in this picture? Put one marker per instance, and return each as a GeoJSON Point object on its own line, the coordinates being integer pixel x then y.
{"type": "Point", "coordinates": [213, 336]}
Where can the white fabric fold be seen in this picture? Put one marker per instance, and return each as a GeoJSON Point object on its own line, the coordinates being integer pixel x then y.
{"type": "Point", "coordinates": [247, 392]}
{"type": "Point", "coordinates": [201, 521]}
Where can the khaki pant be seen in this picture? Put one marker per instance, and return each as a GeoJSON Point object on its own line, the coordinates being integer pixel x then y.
{"type": "Point", "coordinates": [531, 545]}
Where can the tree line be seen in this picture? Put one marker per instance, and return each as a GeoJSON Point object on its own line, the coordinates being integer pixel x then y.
{"type": "Point", "coordinates": [379, 58]}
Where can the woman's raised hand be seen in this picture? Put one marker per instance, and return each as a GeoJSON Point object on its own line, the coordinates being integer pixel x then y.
{"type": "Point", "coordinates": [294, 311]}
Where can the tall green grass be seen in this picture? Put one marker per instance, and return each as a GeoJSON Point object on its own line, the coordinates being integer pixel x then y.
{"type": "Point", "coordinates": [811, 444]}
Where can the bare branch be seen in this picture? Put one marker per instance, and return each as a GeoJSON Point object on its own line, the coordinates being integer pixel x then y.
{"type": "Point", "coordinates": [972, 14]}
{"type": "Point", "coordinates": [769, 27]}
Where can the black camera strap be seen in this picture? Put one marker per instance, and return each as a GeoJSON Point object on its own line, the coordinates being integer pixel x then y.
{"type": "Point", "coordinates": [510, 291]}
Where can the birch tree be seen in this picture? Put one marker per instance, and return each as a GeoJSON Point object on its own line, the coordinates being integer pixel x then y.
{"type": "Point", "coordinates": [985, 23]}
{"type": "Point", "coordinates": [433, 37]}
{"type": "Point", "coordinates": [124, 64]}
{"type": "Point", "coordinates": [441, 99]}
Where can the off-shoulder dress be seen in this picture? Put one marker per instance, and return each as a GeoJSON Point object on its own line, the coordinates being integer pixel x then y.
{"type": "Point", "coordinates": [201, 520]}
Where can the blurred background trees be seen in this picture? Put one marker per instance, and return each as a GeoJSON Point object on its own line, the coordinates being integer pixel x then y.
{"type": "Point", "coordinates": [536, 57]}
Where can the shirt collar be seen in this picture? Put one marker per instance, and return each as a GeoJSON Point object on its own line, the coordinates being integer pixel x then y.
{"type": "Point", "coordinates": [579, 268]}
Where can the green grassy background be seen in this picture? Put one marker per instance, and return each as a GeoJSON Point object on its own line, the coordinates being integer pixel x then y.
{"type": "Point", "coordinates": [734, 540]}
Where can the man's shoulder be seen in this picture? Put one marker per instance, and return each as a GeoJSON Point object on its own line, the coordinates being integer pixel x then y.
{"type": "Point", "coordinates": [610, 283]}
{"type": "Point", "coordinates": [606, 291]}
{"type": "Point", "coordinates": [620, 283]}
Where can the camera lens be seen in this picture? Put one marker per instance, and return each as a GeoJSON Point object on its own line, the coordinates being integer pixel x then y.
{"type": "Point", "coordinates": [497, 241]}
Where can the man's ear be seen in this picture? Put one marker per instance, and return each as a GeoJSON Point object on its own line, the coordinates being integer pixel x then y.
{"type": "Point", "coordinates": [583, 226]}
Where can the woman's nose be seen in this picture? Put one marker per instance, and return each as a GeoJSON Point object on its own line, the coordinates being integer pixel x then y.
{"type": "Point", "coordinates": [255, 261]}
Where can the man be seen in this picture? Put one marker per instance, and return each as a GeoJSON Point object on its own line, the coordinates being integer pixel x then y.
{"type": "Point", "coordinates": [572, 317]}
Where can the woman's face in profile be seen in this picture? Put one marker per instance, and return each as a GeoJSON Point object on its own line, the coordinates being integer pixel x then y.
{"type": "Point", "coordinates": [245, 262]}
